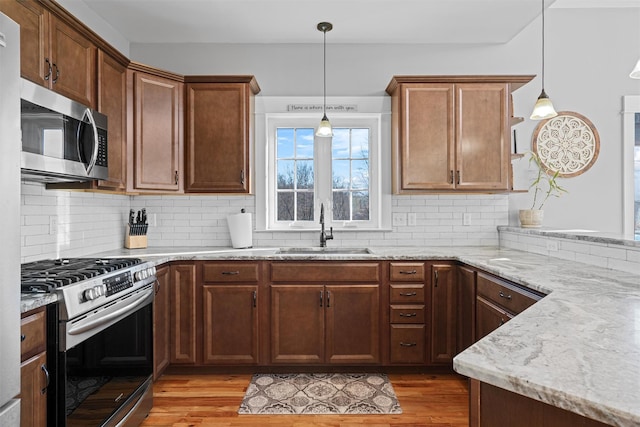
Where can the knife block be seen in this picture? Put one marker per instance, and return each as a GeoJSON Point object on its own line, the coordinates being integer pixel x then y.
{"type": "Point", "coordinates": [134, 242]}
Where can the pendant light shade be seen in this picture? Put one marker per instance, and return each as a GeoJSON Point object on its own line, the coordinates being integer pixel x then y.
{"type": "Point", "coordinates": [324, 130]}
{"type": "Point", "coordinates": [543, 108]}
{"type": "Point", "coordinates": [635, 74]}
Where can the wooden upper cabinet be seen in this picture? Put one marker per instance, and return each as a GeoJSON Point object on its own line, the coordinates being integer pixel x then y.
{"type": "Point", "coordinates": [156, 159]}
{"type": "Point", "coordinates": [52, 53]}
{"type": "Point", "coordinates": [34, 38]}
{"type": "Point", "coordinates": [219, 133]}
{"type": "Point", "coordinates": [112, 101]}
{"type": "Point", "coordinates": [451, 133]}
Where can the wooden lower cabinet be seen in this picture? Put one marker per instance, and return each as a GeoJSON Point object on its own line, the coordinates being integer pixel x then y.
{"type": "Point", "coordinates": [495, 407]}
{"type": "Point", "coordinates": [162, 322]}
{"type": "Point", "coordinates": [443, 313]}
{"type": "Point", "coordinates": [184, 328]}
{"type": "Point", "coordinates": [489, 317]}
{"type": "Point", "coordinates": [230, 324]}
{"type": "Point", "coordinates": [34, 375]}
{"type": "Point", "coordinates": [407, 344]}
{"type": "Point", "coordinates": [318, 324]}
{"type": "Point", "coordinates": [466, 289]}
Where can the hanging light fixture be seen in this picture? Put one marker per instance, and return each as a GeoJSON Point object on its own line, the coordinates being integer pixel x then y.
{"type": "Point", "coordinates": [324, 130]}
{"type": "Point", "coordinates": [543, 108]}
{"type": "Point", "coordinates": [635, 74]}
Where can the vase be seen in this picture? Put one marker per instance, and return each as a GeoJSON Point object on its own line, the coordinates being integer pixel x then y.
{"type": "Point", "coordinates": [531, 218]}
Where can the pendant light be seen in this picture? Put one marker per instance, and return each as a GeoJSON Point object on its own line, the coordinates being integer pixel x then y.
{"type": "Point", "coordinates": [635, 74]}
{"type": "Point", "coordinates": [324, 130]}
{"type": "Point", "coordinates": [543, 108]}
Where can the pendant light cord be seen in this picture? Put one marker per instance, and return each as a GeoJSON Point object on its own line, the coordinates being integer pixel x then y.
{"type": "Point", "coordinates": [542, 44]}
{"type": "Point", "coordinates": [324, 60]}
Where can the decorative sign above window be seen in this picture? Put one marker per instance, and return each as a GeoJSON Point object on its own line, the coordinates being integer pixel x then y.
{"type": "Point", "coordinates": [568, 143]}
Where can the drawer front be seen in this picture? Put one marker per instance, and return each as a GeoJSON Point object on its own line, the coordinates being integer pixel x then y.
{"type": "Point", "coordinates": [33, 329]}
{"type": "Point", "coordinates": [325, 272]}
{"type": "Point", "coordinates": [406, 313]}
{"type": "Point", "coordinates": [406, 272]}
{"type": "Point", "coordinates": [407, 344]}
{"type": "Point", "coordinates": [505, 295]}
{"type": "Point", "coordinates": [407, 294]}
{"type": "Point", "coordinates": [230, 272]}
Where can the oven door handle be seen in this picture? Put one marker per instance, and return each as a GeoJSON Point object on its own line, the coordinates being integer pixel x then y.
{"type": "Point", "coordinates": [80, 328]}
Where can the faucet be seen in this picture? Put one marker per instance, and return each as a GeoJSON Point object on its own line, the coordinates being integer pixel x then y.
{"type": "Point", "coordinates": [323, 235]}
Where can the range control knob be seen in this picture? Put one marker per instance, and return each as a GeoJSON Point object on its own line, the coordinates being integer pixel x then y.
{"type": "Point", "coordinates": [90, 294]}
{"type": "Point", "coordinates": [100, 290]}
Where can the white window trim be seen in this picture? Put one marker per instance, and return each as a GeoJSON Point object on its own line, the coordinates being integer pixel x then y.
{"type": "Point", "coordinates": [631, 106]}
{"type": "Point", "coordinates": [272, 110]}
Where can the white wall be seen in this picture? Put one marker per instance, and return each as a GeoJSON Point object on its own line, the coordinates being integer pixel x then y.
{"type": "Point", "coordinates": [589, 54]}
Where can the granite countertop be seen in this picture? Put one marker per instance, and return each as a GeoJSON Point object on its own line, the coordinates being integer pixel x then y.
{"type": "Point", "coordinates": [578, 348]}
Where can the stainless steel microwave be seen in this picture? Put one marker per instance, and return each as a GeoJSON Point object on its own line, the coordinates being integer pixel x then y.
{"type": "Point", "coordinates": [62, 140]}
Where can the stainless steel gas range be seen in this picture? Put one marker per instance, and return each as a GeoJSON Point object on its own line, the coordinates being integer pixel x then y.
{"type": "Point", "coordinates": [99, 339]}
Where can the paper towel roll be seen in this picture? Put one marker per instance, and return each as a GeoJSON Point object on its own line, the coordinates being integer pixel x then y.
{"type": "Point", "coordinates": [240, 230]}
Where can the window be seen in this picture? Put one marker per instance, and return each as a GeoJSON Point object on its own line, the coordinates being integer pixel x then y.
{"type": "Point", "coordinates": [636, 179]}
{"type": "Point", "coordinates": [341, 173]}
{"type": "Point", "coordinates": [631, 167]}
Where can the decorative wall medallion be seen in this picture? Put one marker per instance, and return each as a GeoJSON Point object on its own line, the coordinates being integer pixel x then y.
{"type": "Point", "coordinates": [568, 143]}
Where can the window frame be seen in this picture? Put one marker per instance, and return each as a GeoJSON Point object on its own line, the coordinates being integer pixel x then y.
{"type": "Point", "coordinates": [322, 176]}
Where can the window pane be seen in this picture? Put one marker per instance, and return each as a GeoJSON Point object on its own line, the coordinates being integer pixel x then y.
{"type": "Point", "coordinates": [284, 137]}
{"type": "Point", "coordinates": [304, 143]}
{"type": "Point", "coordinates": [341, 174]}
{"type": "Point", "coordinates": [360, 202]}
{"type": "Point", "coordinates": [360, 143]}
{"type": "Point", "coordinates": [305, 206]}
{"type": "Point", "coordinates": [285, 174]}
{"type": "Point", "coordinates": [360, 174]}
{"type": "Point", "coordinates": [340, 143]}
{"type": "Point", "coordinates": [341, 206]}
{"type": "Point", "coordinates": [304, 174]}
{"type": "Point", "coordinates": [285, 206]}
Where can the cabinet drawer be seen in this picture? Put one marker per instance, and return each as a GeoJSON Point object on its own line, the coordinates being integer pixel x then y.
{"type": "Point", "coordinates": [325, 272]}
{"type": "Point", "coordinates": [504, 294]}
{"type": "Point", "coordinates": [407, 344]}
{"type": "Point", "coordinates": [406, 313]}
{"type": "Point", "coordinates": [230, 272]}
{"type": "Point", "coordinates": [33, 329]}
{"type": "Point", "coordinates": [406, 272]}
{"type": "Point", "coordinates": [407, 293]}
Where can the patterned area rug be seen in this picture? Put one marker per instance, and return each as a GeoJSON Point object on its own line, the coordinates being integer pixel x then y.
{"type": "Point", "coordinates": [320, 394]}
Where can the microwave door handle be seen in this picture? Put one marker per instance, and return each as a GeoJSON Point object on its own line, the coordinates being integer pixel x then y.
{"type": "Point", "coordinates": [94, 155]}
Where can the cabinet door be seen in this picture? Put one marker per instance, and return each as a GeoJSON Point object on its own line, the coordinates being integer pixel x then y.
{"type": "Point", "coordinates": [157, 140]}
{"type": "Point", "coordinates": [466, 279]}
{"type": "Point", "coordinates": [483, 141]}
{"type": "Point", "coordinates": [74, 64]}
{"type": "Point", "coordinates": [183, 314]}
{"type": "Point", "coordinates": [230, 318]}
{"type": "Point", "coordinates": [33, 391]}
{"type": "Point", "coordinates": [488, 317]}
{"type": "Point", "coordinates": [218, 137]}
{"type": "Point", "coordinates": [426, 152]}
{"type": "Point", "coordinates": [297, 324]}
{"type": "Point", "coordinates": [162, 322]}
{"type": "Point", "coordinates": [34, 38]}
{"type": "Point", "coordinates": [352, 324]}
{"type": "Point", "coordinates": [112, 101]}
{"type": "Point", "coordinates": [443, 310]}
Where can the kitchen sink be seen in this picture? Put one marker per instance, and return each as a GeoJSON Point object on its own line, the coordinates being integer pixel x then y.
{"type": "Point", "coordinates": [320, 251]}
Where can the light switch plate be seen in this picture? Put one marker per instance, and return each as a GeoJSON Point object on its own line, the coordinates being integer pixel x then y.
{"type": "Point", "coordinates": [399, 219]}
{"type": "Point", "coordinates": [552, 246]}
{"type": "Point", "coordinates": [411, 219]}
{"type": "Point", "coordinates": [466, 219]}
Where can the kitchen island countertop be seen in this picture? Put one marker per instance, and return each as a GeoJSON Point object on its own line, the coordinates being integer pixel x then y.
{"type": "Point", "coordinates": [578, 348]}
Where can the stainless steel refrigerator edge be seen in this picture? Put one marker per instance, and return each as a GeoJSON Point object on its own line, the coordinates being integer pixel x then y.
{"type": "Point", "coordinates": [10, 147]}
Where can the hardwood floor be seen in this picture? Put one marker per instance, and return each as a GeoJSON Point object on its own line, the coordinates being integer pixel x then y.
{"type": "Point", "coordinates": [212, 400]}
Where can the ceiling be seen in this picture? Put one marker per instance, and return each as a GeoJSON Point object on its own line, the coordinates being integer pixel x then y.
{"type": "Point", "coordinates": [354, 21]}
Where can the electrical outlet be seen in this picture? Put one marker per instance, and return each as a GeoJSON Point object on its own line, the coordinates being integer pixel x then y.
{"type": "Point", "coordinates": [411, 219]}
{"type": "Point", "coordinates": [399, 219]}
{"type": "Point", "coordinates": [53, 225]}
{"type": "Point", "coordinates": [552, 246]}
{"type": "Point", "coordinates": [466, 219]}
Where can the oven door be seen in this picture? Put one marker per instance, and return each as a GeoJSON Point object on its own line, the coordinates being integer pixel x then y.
{"type": "Point", "coordinates": [105, 379]}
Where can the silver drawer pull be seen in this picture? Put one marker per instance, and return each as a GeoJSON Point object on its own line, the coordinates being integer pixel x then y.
{"type": "Point", "coordinates": [408, 294]}
{"type": "Point", "coordinates": [408, 344]}
{"type": "Point", "coordinates": [230, 273]}
{"type": "Point", "coordinates": [502, 295]}
{"type": "Point", "coordinates": [407, 271]}
{"type": "Point", "coordinates": [408, 314]}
